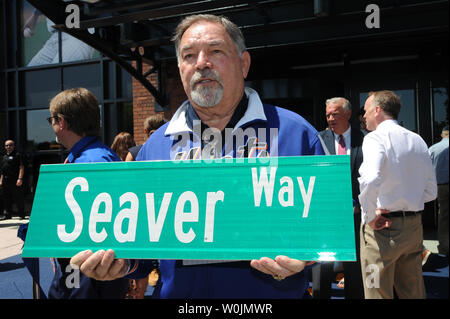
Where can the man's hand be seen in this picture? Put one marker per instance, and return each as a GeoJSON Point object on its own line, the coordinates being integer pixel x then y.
{"type": "Point", "coordinates": [100, 265]}
{"type": "Point", "coordinates": [279, 268]}
{"type": "Point", "coordinates": [380, 221]}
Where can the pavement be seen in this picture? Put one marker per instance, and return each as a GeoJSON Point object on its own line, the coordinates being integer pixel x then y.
{"type": "Point", "coordinates": [16, 281]}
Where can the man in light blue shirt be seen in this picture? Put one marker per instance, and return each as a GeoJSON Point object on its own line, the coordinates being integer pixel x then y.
{"type": "Point", "coordinates": [439, 157]}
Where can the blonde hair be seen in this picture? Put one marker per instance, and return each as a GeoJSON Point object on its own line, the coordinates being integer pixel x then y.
{"type": "Point", "coordinates": [80, 110]}
{"type": "Point", "coordinates": [388, 101]}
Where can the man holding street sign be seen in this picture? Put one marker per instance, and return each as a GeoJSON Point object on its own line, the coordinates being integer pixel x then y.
{"type": "Point", "coordinates": [213, 64]}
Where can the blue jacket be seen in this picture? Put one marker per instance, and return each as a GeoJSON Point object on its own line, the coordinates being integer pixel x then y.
{"type": "Point", "coordinates": [285, 134]}
{"type": "Point", "coordinates": [88, 150]}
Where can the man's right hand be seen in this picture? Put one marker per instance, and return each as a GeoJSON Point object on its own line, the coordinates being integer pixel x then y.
{"type": "Point", "coordinates": [380, 221]}
{"type": "Point", "coordinates": [100, 265]}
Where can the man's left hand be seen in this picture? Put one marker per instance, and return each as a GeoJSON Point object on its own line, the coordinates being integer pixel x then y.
{"type": "Point", "coordinates": [279, 268]}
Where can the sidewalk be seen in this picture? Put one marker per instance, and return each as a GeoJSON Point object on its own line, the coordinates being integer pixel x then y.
{"type": "Point", "coordinates": [10, 244]}
{"type": "Point", "coordinates": [16, 282]}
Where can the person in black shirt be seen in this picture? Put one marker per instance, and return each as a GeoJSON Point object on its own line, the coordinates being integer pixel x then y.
{"type": "Point", "coordinates": [11, 180]}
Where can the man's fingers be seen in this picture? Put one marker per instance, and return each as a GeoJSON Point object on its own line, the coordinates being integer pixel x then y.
{"type": "Point", "coordinates": [258, 265]}
{"type": "Point", "coordinates": [119, 268]}
{"type": "Point", "coordinates": [282, 266]}
{"type": "Point", "coordinates": [100, 265]}
{"type": "Point", "coordinates": [89, 266]}
{"type": "Point", "coordinates": [102, 270]}
{"type": "Point", "coordinates": [269, 266]}
{"type": "Point", "coordinates": [293, 265]}
{"type": "Point", "coordinates": [81, 257]}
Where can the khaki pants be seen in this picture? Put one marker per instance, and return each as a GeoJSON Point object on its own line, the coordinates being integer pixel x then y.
{"type": "Point", "coordinates": [392, 258]}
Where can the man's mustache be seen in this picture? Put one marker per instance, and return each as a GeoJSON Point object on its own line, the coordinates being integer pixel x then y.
{"type": "Point", "coordinates": [209, 74]}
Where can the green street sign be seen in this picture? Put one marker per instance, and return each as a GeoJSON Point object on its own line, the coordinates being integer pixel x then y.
{"type": "Point", "coordinates": [227, 209]}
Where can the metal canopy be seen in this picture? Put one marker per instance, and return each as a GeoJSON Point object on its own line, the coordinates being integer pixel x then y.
{"type": "Point", "coordinates": [306, 31]}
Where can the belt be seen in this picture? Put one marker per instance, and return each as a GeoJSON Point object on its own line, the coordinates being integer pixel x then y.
{"type": "Point", "coordinates": [401, 213]}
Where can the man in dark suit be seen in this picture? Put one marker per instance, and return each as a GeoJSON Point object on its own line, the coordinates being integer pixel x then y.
{"type": "Point", "coordinates": [340, 138]}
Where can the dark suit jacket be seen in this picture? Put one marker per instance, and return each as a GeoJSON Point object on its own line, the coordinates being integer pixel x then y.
{"type": "Point", "coordinates": [356, 155]}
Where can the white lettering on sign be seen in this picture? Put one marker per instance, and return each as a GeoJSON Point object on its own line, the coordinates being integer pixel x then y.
{"type": "Point", "coordinates": [75, 209]}
{"type": "Point", "coordinates": [263, 184]}
{"type": "Point", "coordinates": [155, 225]}
{"type": "Point", "coordinates": [181, 216]}
{"type": "Point", "coordinates": [127, 213]}
{"type": "Point", "coordinates": [306, 196]}
{"type": "Point", "coordinates": [98, 217]}
{"type": "Point", "coordinates": [286, 190]}
{"type": "Point", "coordinates": [211, 199]}
{"type": "Point", "coordinates": [102, 212]}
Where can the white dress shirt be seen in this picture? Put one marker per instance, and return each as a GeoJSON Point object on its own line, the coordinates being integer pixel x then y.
{"type": "Point", "coordinates": [347, 140]}
{"type": "Point", "coordinates": [396, 173]}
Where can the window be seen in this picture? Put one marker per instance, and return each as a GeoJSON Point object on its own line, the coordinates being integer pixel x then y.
{"type": "Point", "coordinates": [40, 134]}
{"type": "Point", "coordinates": [39, 86]}
{"type": "Point", "coordinates": [407, 117]}
{"type": "Point", "coordinates": [86, 76]}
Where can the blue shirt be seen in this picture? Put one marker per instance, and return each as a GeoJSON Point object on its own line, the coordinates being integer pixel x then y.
{"type": "Point", "coordinates": [88, 150]}
{"type": "Point", "coordinates": [439, 157]}
{"type": "Point", "coordinates": [91, 150]}
{"type": "Point", "coordinates": [283, 133]}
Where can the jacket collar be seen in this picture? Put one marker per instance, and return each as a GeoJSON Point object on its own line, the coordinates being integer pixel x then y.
{"type": "Point", "coordinates": [180, 123]}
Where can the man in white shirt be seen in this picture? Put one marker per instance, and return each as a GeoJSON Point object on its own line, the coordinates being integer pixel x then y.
{"type": "Point", "coordinates": [397, 178]}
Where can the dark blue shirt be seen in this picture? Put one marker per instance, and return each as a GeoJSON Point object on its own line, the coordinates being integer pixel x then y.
{"type": "Point", "coordinates": [88, 150]}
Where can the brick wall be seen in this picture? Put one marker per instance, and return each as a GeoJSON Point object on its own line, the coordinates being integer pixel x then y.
{"type": "Point", "coordinates": [144, 101]}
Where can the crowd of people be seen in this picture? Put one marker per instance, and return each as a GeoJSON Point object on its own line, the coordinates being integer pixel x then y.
{"type": "Point", "coordinates": [393, 174]}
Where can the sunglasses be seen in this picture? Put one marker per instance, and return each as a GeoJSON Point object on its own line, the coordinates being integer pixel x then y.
{"type": "Point", "coordinates": [49, 119]}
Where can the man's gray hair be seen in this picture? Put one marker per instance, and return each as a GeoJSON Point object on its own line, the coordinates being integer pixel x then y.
{"type": "Point", "coordinates": [231, 28]}
{"type": "Point", "coordinates": [346, 105]}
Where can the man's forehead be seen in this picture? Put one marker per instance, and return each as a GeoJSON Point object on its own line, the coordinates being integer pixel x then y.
{"type": "Point", "coordinates": [204, 31]}
{"type": "Point", "coordinates": [368, 101]}
{"type": "Point", "coordinates": [334, 107]}
{"type": "Point", "coordinates": [211, 43]}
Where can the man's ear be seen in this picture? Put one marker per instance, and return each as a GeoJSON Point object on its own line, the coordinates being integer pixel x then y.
{"type": "Point", "coordinates": [245, 62]}
{"type": "Point", "coordinates": [62, 123]}
{"type": "Point", "coordinates": [378, 109]}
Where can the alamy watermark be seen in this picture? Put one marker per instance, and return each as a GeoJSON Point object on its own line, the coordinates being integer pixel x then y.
{"type": "Point", "coordinates": [73, 19]}
{"type": "Point", "coordinates": [373, 19]}
{"type": "Point", "coordinates": [373, 277]}
{"type": "Point", "coordinates": [73, 277]}
{"type": "Point", "coordinates": [232, 145]}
